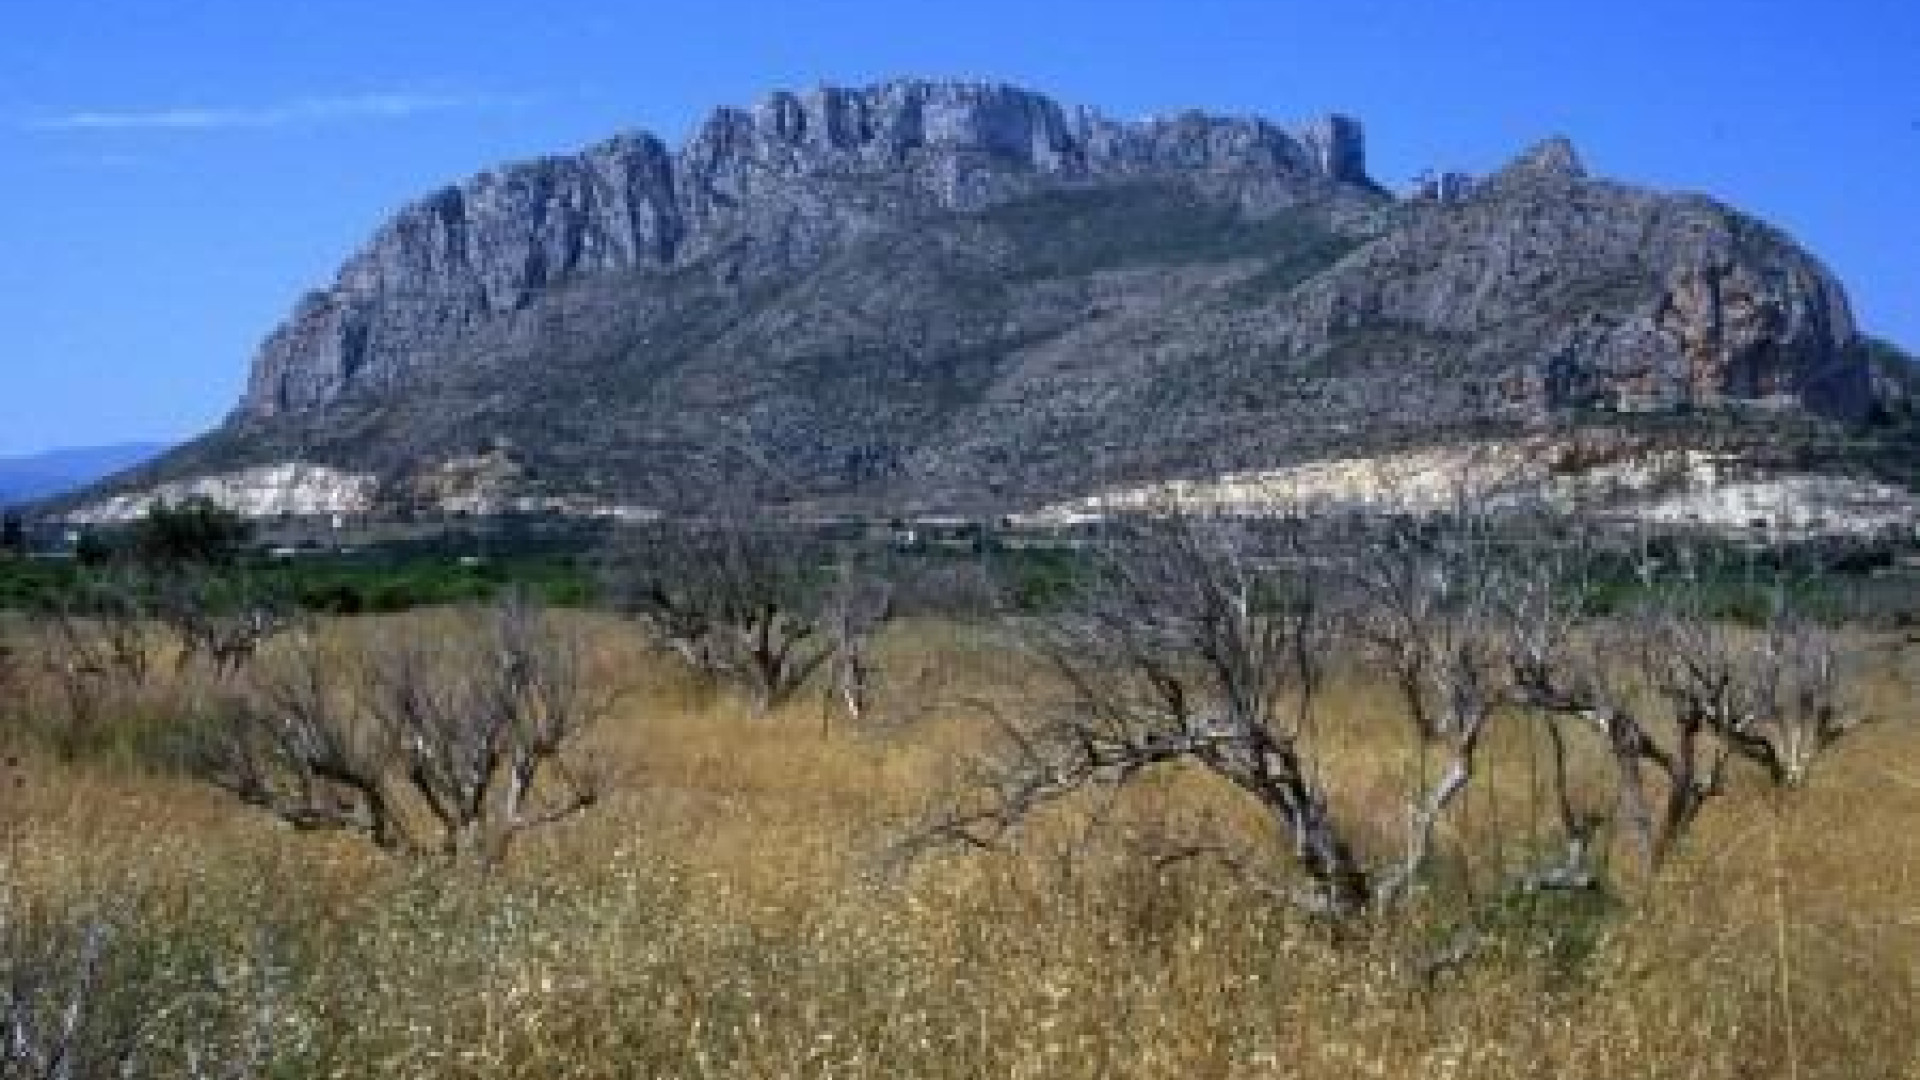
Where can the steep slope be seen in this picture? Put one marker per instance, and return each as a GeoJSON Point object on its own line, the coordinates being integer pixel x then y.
{"type": "Point", "coordinates": [769, 190]}
{"type": "Point", "coordinates": [927, 296]}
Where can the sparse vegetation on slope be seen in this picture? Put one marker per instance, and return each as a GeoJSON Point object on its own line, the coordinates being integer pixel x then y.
{"type": "Point", "coordinates": [1074, 232]}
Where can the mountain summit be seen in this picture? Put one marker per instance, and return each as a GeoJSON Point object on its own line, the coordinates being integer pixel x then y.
{"type": "Point", "coordinates": [764, 191]}
{"type": "Point", "coordinates": [955, 296]}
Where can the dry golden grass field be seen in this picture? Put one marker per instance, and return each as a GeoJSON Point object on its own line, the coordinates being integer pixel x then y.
{"type": "Point", "coordinates": [729, 909]}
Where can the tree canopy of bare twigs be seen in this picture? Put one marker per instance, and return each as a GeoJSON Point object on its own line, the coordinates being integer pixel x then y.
{"type": "Point", "coordinates": [755, 607]}
{"type": "Point", "coordinates": [1186, 646]}
{"type": "Point", "coordinates": [94, 644]}
{"type": "Point", "coordinates": [1208, 641]}
{"type": "Point", "coordinates": [219, 618]}
{"type": "Point", "coordinates": [97, 641]}
{"type": "Point", "coordinates": [101, 628]}
{"type": "Point", "coordinates": [422, 742]}
{"type": "Point", "coordinates": [858, 603]}
{"type": "Point", "coordinates": [1676, 692]}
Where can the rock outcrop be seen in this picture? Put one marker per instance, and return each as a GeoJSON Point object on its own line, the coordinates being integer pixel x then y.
{"type": "Point", "coordinates": [1630, 485]}
{"type": "Point", "coordinates": [268, 491]}
{"type": "Point", "coordinates": [1586, 294]}
{"type": "Point", "coordinates": [932, 297]}
{"type": "Point", "coordinates": [779, 178]}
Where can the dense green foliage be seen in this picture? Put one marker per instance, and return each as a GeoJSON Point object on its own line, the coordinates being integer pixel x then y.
{"type": "Point", "coordinates": [337, 585]}
{"type": "Point", "coordinates": [1839, 579]}
{"type": "Point", "coordinates": [350, 586]}
{"type": "Point", "coordinates": [197, 531]}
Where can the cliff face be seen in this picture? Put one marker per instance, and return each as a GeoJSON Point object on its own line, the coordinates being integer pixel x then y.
{"type": "Point", "coordinates": [946, 296]}
{"type": "Point", "coordinates": [1577, 293]}
{"type": "Point", "coordinates": [779, 183]}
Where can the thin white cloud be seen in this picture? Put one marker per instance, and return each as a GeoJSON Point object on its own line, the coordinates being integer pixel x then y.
{"type": "Point", "coordinates": [392, 105]}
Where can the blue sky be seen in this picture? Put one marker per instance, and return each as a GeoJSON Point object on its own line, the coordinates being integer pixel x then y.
{"type": "Point", "coordinates": [174, 175]}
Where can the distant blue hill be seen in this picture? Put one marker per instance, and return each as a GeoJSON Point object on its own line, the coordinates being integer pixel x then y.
{"type": "Point", "coordinates": [37, 476]}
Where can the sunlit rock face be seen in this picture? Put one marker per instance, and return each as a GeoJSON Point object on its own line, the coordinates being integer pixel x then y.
{"type": "Point", "coordinates": [778, 175]}
{"type": "Point", "coordinates": [1623, 483]}
{"type": "Point", "coordinates": [951, 297]}
{"type": "Point", "coordinates": [287, 490]}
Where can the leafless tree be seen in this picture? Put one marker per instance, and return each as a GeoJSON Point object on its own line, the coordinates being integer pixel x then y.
{"type": "Point", "coordinates": [94, 644]}
{"type": "Point", "coordinates": [100, 628]}
{"type": "Point", "coordinates": [1187, 646]}
{"type": "Point", "coordinates": [1427, 601]}
{"type": "Point", "coordinates": [739, 602]}
{"type": "Point", "coordinates": [481, 730]}
{"type": "Point", "coordinates": [455, 742]}
{"type": "Point", "coordinates": [1677, 691]}
{"type": "Point", "coordinates": [222, 619]}
{"type": "Point", "coordinates": [295, 743]}
{"type": "Point", "coordinates": [11, 680]}
{"type": "Point", "coordinates": [1205, 641]}
{"type": "Point", "coordinates": [857, 605]}
{"type": "Point", "coordinates": [18, 656]}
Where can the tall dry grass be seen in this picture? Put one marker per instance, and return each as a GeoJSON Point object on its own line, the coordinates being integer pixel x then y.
{"type": "Point", "coordinates": [725, 912]}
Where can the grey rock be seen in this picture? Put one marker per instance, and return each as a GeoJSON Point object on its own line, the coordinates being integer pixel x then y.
{"type": "Point", "coordinates": [1554, 159]}
{"type": "Point", "coordinates": [965, 296]}
{"type": "Point", "coordinates": [775, 179]}
{"type": "Point", "coordinates": [1444, 187]}
{"type": "Point", "coordinates": [1339, 148]}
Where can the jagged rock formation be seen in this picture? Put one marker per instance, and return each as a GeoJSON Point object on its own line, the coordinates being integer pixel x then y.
{"type": "Point", "coordinates": [783, 180]}
{"type": "Point", "coordinates": [925, 296]}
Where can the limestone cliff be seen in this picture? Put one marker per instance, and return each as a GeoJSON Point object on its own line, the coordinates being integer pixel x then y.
{"type": "Point", "coordinates": [926, 296]}
{"type": "Point", "coordinates": [781, 179]}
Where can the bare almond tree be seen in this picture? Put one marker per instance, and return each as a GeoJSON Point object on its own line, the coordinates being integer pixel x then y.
{"type": "Point", "coordinates": [99, 628]}
{"type": "Point", "coordinates": [455, 742]}
{"type": "Point", "coordinates": [221, 619]}
{"type": "Point", "coordinates": [95, 645]}
{"type": "Point", "coordinates": [481, 725]}
{"type": "Point", "coordinates": [12, 677]}
{"type": "Point", "coordinates": [857, 605]}
{"type": "Point", "coordinates": [1677, 691]}
{"type": "Point", "coordinates": [296, 744]}
{"type": "Point", "coordinates": [744, 604]}
{"type": "Point", "coordinates": [1205, 641]}
{"type": "Point", "coordinates": [1187, 646]}
{"type": "Point", "coordinates": [1426, 599]}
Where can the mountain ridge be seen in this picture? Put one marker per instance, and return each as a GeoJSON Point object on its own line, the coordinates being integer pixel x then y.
{"type": "Point", "coordinates": [481, 248]}
{"type": "Point", "coordinates": [962, 296]}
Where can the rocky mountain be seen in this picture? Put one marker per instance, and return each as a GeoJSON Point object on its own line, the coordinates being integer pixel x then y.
{"type": "Point", "coordinates": [933, 297]}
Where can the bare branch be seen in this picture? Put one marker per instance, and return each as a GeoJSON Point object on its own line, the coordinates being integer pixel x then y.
{"type": "Point", "coordinates": [222, 618]}
{"type": "Point", "coordinates": [1188, 645]}
{"type": "Point", "coordinates": [293, 746]}
{"type": "Point", "coordinates": [737, 602]}
{"type": "Point", "coordinates": [465, 732]}
{"type": "Point", "coordinates": [1713, 690]}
